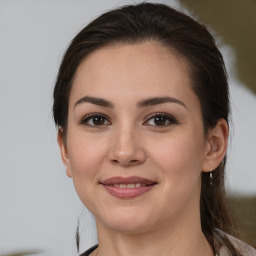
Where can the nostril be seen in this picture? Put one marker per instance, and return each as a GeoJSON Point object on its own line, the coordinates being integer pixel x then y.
{"type": "Point", "coordinates": [125, 163]}
{"type": "Point", "coordinates": [126, 158]}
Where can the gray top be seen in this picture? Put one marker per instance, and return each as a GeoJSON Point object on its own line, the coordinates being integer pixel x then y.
{"type": "Point", "coordinates": [221, 250]}
{"type": "Point", "coordinates": [242, 247]}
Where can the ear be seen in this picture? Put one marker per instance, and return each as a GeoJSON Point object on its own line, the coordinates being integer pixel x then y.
{"type": "Point", "coordinates": [63, 151]}
{"type": "Point", "coordinates": [216, 146]}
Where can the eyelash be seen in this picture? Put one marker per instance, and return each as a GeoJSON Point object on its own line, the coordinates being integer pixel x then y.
{"type": "Point", "coordinates": [89, 117]}
{"type": "Point", "coordinates": [167, 117]}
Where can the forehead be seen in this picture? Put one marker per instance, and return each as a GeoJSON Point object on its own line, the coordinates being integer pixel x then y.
{"type": "Point", "coordinates": [132, 70]}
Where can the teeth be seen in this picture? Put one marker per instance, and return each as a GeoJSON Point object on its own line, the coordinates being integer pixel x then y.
{"type": "Point", "coordinates": [132, 185]}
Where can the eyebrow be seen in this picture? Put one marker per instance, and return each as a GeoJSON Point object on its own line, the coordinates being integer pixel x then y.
{"type": "Point", "coordinates": [159, 100]}
{"type": "Point", "coordinates": [143, 103]}
{"type": "Point", "coordinates": [97, 101]}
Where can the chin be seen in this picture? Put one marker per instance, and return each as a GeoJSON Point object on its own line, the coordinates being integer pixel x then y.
{"type": "Point", "coordinates": [130, 221]}
{"type": "Point", "coordinates": [130, 227]}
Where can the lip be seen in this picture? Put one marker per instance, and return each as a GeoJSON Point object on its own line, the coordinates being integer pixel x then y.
{"type": "Point", "coordinates": [127, 180]}
{"type": "Point", "coordinates": [127, 193]}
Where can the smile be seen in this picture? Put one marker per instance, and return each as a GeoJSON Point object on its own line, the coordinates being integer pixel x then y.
{"type": "Point", "coordinates": [132, 185]}
{"type": "Point", "coordinates": [127, 187]}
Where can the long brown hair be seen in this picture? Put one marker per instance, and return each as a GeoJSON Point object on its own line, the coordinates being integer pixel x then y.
{"type": "Point", "coordinates": [185, 36]}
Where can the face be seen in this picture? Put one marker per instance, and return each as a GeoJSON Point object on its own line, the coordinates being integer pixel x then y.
{"type": "Point", "coordinates": [135, 145]}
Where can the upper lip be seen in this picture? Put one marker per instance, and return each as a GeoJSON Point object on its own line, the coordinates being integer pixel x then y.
{"type": "Point", "coordinates": [127, 180]}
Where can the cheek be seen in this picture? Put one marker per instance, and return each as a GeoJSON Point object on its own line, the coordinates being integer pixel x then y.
{"type": "Point", "coordinates": [179, 157]}
{"type": "Point", "coordinates": [86, 155]}
{"type": "Point", "coordinates": [179, 162]}
{"type": "Point", "coordinates": [86, 159]}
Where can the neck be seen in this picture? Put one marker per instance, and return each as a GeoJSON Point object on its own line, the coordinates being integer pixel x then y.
{"type": "Point", "coordinates": [185, 238]}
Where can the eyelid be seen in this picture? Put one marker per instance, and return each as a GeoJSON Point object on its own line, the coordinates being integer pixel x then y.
{"type": "Point", "coordinates": [84, 120]}
{"type": "Point", "coordinates": [169, 117]}
{"type": "Point", "coordinates": [172, 120]}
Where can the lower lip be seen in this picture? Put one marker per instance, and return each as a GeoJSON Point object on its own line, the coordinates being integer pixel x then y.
{"type": "Point", "coordinates": [127, 192]}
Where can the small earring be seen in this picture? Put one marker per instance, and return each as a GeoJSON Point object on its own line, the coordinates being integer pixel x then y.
{"type": "Point", "coordinates": [211, 178]}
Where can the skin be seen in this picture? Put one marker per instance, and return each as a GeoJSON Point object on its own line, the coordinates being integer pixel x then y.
{"type": "Point", "coordinates": [129, 142]}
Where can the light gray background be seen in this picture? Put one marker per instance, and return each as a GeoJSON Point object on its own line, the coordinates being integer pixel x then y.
{"type": "Point", "coordinates": [39, 208]}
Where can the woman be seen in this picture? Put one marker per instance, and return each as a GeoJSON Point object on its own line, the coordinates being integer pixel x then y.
{"type": "Point", "coordinates": [142, 106]}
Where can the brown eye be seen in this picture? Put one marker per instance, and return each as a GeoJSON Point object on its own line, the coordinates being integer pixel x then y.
{"type": "Point", "coordinates": [161, 119]}
{"type": "Point", "coordinates": [98, 120]}
{"type": "Point", "coordinates": [95, 120]}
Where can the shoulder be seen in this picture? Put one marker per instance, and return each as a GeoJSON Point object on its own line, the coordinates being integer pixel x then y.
{"type": "Point", "coordinates": [243, 248]}
{"type": "Point", "coordinates": [89, 251]}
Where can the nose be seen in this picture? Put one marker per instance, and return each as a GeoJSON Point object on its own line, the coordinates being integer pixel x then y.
{"type": "Point", "coordinates": [127, 148]}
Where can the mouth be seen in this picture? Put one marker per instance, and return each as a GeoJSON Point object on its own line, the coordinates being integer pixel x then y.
{"type": "Point", "coordinates": [127, 187]}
